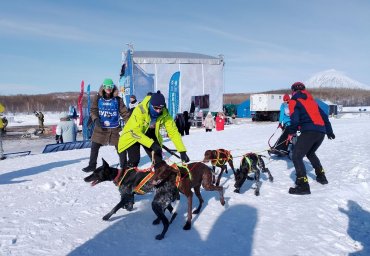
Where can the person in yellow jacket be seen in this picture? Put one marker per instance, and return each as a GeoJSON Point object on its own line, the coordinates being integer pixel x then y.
{"type": "Point", "coordinates": [2, 157]}
{"type": "Point", "coordinates": [142, 128]}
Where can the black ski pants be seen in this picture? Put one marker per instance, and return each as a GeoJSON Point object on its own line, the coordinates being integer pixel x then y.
{"type": "Point", "coordinates": [307, 144]}
{"type": "Point", "coordinates": [95, 152]}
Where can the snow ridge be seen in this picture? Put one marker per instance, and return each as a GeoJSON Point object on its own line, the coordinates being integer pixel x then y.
{"type": "Point", "coordinates": [334, 79]}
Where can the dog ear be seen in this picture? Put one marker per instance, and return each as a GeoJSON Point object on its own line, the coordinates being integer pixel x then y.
{"type": "Point", "coordinates": [105, 163]}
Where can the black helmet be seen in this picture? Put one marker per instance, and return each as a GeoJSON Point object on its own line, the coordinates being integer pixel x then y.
{"type": "Point", "coordinates": [298, 86]}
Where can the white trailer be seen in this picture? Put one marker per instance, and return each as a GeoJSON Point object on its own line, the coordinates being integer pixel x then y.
{"type": "Point", "coordinates": [265, 106]}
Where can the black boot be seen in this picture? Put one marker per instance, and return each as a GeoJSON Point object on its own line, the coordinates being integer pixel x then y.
{"type": "Point", "coordinates": [320, 176]}
{"type": "Point", "coordinates": [89, 168]}
{"type": "Point", "coordinates": [302, 187]}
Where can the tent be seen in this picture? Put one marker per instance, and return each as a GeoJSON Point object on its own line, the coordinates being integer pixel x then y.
{"type": "Point", "coordinates": [244, 110]}
{"type": "Point", "coordinates": [201, 77]}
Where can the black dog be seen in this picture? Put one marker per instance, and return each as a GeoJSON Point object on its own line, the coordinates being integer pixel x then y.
{"type": "Point", "coordinates": [219, 158]}
{"type": "Point", "coordinates": [251, 163]}
{"type": "Point", "coordinates": [138, 182]}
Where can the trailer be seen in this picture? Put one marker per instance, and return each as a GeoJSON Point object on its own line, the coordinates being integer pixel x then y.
{"type": "Point", "coordinates": [265, 106]}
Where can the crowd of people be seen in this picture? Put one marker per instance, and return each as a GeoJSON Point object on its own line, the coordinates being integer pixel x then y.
{"type": "Point", "coordinates": [301, 120]}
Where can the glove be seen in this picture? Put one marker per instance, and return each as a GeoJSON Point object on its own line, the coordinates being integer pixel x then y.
{"type": "Point", "coordinates": [156, 147]}
{"type": "Point", "coordinates": [184, 157]}
{"type": "Point", "coordinates": [331, 136]}
{"type": "Point", "coordinates": [57, 138]}
{"type": "Point", "coordinates": [289, 139]}
{"type": "Point", "coordinates": [97, 123]}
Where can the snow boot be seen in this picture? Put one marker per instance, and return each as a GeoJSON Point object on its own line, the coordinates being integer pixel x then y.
{"type": "Point", "coordinates": [320, 176]}
{"type": "Point", "coordinates": [89, 168]}
{"type": "Point", "coordinates": [302, 187]}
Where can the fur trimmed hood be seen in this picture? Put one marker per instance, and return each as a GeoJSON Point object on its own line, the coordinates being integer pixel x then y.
{"type": "Point", "coordinates": [115, 91]}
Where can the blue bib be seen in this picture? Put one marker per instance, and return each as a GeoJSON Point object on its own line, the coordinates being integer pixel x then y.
{"type": "Point", "coordinates": [108, 112]}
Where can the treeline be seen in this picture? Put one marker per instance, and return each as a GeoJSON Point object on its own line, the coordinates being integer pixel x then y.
{"type": "Point", "coordinates": [57, 102]}
{"type": "Point", "coordinates": [341, 96]}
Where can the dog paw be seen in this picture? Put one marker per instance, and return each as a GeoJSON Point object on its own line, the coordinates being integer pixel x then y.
{"type": "Point", "coordinates": [156, 221]}
{"type": "Point", "coordinates": [159, 237]}
{"type": "Point", "coordinates": [257, 193]}
{"type": "Point", "coordinates": [187, 226]}
{"type": "Point", "coordinates": [107, 217]}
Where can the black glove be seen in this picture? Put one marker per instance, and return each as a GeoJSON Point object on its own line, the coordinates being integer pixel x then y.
{"type": "Point", "coordinates": [331, 136]}
{"type": "Point", "coordinates": [97, 123]}
{"type": "Point", "coordinates": [156, 147]}
{"type": "Point", "coordinates": [184, 157]}
{"type": "Point", "coordinates": [57, 138]}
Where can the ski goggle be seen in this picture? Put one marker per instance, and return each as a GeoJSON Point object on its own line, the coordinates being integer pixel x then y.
{"type": "Point", "coordinates": [108, 86]}
{"type": "Point", "coordinates": [158, 108]}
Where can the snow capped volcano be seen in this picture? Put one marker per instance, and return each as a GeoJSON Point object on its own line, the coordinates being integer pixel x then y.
{"type": "Point", "coordinates": [334, 79]}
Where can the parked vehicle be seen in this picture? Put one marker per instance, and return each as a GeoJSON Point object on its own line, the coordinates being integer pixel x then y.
{"type": "Point", "coordinates": [266, 107]}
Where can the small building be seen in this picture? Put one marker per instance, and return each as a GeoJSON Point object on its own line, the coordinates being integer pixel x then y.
{"type": "Point", "coordinates": [328, 107]}
{"type": "Point", "coordinates": [200, 78]}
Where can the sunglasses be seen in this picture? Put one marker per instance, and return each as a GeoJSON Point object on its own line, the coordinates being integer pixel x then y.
{"type": "Point", "coordinates": [157, 108]}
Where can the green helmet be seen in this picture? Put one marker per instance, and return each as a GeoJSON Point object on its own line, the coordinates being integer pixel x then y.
{"type": "Point", "coordinates": [108, 83]}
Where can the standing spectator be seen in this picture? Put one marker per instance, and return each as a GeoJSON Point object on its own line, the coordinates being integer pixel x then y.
{"type": "Point", "coordinates": [187, 122]}
{"type": "Point", "coordinates": [281, 147]}
{"type": "Point", "coordinates": [66, 129]}
{"type": "Point", "coordinates": [2, 157]}
{"type": "Point", "coordinates": [40, 117]}
{"type": "Point", "coordinates": [106, 108]}
{"type": "Point", "coordinates": [209, 122]}
{"type": "Point", "coordinates": [180, 123]}
{"type": "Point", "coordinates": [133, 103]}
{"type": "Point", "coordinates": [313, 123]}
{"type": "Point", "coordinates": [5, 124]}
{"type": "Point", "coordinates": [220, 121]}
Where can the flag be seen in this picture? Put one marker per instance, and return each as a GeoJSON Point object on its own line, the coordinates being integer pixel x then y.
{"type": "Point", "coordinates": [174, 94]}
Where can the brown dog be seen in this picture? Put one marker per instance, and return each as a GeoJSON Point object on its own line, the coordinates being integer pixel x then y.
{"type": "Point", "coordinates": [219, 158]}
{"type": "Point", "coordinates": [187, 177]}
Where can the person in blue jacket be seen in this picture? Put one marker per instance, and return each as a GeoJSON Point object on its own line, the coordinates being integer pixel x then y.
{"type": "Point", "coordinates": [281, 147]}
{"type": "Point", "coordinates": [307, 117]}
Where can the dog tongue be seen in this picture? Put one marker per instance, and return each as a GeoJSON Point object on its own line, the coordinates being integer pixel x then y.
{"type": "Point", "coordinates": [94, 183]}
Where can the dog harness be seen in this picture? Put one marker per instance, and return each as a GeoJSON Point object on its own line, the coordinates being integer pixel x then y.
{"type": "Point", "coordinates": [249, 161]}
{"type": "Point", "coordinates": [221, 161]}
{"type": "Point", "coordinates": [178, 176]}
{"type": "Point", "coordinates": [138, 188]}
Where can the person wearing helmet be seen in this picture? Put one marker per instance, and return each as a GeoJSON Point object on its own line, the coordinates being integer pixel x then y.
{"type": "Point", "coordinates": [313, 124]}
{"type": "Point", "coordinates": [281, 147]}
{"type": "Point", "coordinates": [106, 108]}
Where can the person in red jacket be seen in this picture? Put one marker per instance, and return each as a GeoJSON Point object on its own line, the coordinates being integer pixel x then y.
{"type": "Point", "coordinates": [313, 124]}
{"type": "Point", "coordinates": [220, 121]}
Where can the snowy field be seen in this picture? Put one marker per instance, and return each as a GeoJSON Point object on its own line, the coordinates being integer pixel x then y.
{"type": "Point", "coordinates": [47, 208]}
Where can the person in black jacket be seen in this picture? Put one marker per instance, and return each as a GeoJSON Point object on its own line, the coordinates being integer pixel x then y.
{"type": "Point", "coordinates": [187, 122]}
{"type": "Point", "coordinates": [313, 124]}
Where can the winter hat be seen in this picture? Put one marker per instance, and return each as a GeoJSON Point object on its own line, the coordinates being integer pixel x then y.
{"type": "Point", "coordinates": [286, 97]}
{"type": "Point", "coordinates": [108, 83]}
{"type": "Point", "coordinates": [298, 86]}
{"type": "Point", "coordinates": [158, 99]}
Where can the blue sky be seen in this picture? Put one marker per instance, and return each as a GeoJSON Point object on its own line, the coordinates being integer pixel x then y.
{"type": "Point", "coordinates": [50, 46]}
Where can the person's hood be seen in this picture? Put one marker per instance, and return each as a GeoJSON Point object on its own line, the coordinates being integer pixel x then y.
{"type": "Point", "coordinates": [115, 91]}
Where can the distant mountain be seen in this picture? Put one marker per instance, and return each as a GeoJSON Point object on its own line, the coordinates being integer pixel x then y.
{"type": "Point", "coordinates": [334, 79]}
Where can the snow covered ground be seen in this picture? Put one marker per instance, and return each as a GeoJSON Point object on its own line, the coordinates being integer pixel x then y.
{"type": "Point", "coordinates": [47, 208]}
